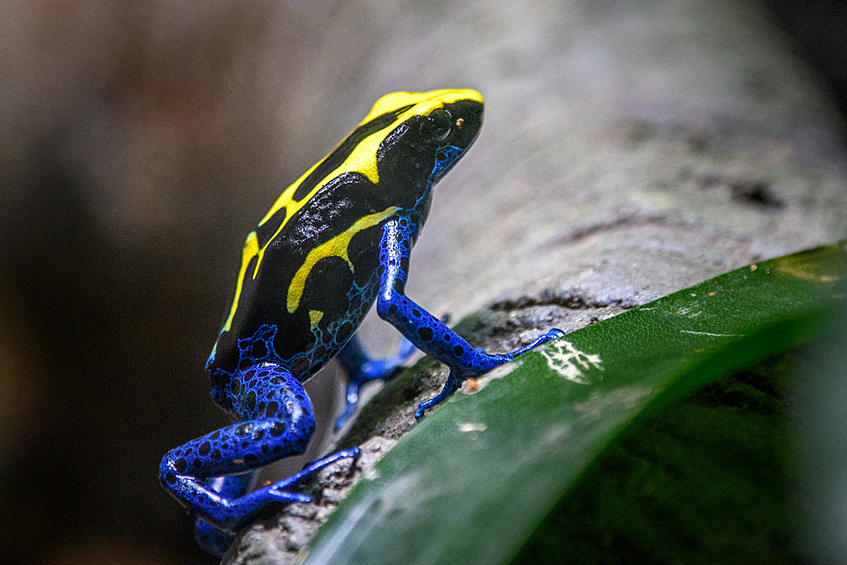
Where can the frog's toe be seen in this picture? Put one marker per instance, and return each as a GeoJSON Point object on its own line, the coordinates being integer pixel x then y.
{"type": "Point", "coordinates": [278, 493]}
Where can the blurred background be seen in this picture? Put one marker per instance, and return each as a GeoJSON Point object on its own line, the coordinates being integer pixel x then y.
{"type": "Point", "coordinates": [139, 143]}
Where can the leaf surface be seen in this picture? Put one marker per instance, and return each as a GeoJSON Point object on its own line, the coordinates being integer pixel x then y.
{"type": "Point", "coordinates": [471, 482]}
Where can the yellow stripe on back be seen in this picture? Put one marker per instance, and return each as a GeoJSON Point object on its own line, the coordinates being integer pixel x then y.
{"type": "Point", "coordinates": [335, 247]}
{"type": "Point", "coordinates": [251, 248]}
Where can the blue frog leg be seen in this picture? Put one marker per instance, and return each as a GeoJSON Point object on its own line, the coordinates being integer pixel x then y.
{"type": "Point", "coordinates": [361, 368]}
{"type": "Point", "coordinates": [276, 422]}
{"type": "Point", "coordinates": [420, 327]}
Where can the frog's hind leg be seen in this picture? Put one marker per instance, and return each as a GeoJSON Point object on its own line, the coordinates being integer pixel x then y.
{"type": "Point", "coordinates": [277, 422]}
{"type": "Point", "coordinates": [361, 368]}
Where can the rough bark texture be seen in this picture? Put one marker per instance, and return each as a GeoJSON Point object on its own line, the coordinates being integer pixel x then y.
{"type": "Point", "coordinates": [628, 151]}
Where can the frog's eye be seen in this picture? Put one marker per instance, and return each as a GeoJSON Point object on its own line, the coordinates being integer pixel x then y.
{"type": "Point", "coordinates": [438, 124]}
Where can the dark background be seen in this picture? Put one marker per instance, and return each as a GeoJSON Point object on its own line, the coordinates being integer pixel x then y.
{"type": "Point", "coordinates": [135, 154]}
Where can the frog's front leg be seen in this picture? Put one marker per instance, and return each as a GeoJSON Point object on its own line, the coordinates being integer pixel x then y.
{"type": "Point", "coordinates": [361, 368]}
{"type": "Point", "coordinates": [277, 422]}
{"type": "Point", "coordinates": [428, 333]}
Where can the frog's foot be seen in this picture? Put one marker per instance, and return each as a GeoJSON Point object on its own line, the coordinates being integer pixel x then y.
{"type": "Point", "coordinates": [550, 335]}
{"type": "Point", "coordinates": [361, 368]}
{"type": "Point", "coordinates": [317, 465]}
{"type": "Point", "coordinates": [216, 540]}
{"type": "Point", "coordinates": [279, 490]}
{"type": "Point", "coordinates": [234, 514]}
{"type": "Point", "coordinates": [480, 363]}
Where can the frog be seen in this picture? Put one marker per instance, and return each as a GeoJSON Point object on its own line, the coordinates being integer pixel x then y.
{"type": "Point", "coordinates": [336, 241]}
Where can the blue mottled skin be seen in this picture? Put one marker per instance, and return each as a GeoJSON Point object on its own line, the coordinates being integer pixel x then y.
{"type": "Point", "coordinates": [257, 374]}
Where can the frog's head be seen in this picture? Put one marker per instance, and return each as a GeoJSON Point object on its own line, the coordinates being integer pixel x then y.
{"type": "Point", "coordinates": [423, 134]}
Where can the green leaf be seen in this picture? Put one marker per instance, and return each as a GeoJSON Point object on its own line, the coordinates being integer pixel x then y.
{"type": "Point", "coordinates": [473, 480]}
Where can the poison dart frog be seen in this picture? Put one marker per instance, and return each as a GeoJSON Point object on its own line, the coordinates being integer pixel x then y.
{"type": "Point", "coordinates": [336, 241]}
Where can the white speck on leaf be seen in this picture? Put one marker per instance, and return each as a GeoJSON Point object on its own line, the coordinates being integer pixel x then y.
{"type": "Point", "coordinates": [570, 362]}
{"type": "Point", "coordinates": [689, 312]}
